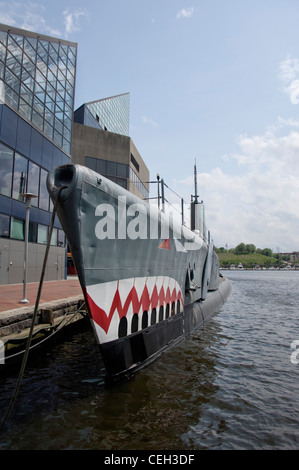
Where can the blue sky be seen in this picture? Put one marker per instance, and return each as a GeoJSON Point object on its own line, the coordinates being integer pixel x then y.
{"type": "Point", "coordinates": [211, 80]}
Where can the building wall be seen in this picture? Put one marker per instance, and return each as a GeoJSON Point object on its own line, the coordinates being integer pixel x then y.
{"type": "Point", "coordinates": [88, 141]}
{"type": "Point", "coordinates": [12, 262]}
{"type": "Point", "coordinates": [141, 172]}
{"type": "Point", "coordinates": [90, 144]}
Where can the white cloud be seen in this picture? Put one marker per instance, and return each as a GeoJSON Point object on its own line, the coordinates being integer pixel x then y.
{"type": "Point", "coordinates": [289, 74]}
{"type": "Point", "coordinates": [72, 20]}
{"type": "Point", "coordinates": [33, 17]}
{"type": "Point", "coordinates": [289, 69]}
{"type": "Point", "coordinates": [185, 13]}
{"type": "Point", "coordinates": [149, 121]}
{"type": "Point", "coordinates": [26, 15]}
{"type": "Point", "coordinates": [260, 205]}
{"type": "Point", "coordinates": [293, 90]}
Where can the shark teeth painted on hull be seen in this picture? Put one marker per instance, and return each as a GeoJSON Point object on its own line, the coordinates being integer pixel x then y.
{"type": "Point", "coordinates": [109, 302]}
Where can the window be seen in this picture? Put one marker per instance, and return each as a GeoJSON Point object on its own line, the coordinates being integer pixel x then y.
{"type": "Point", "coordinates": [11, 97]}
{"type": "Point", "coordinates": [121, 182]}
{"type": "Point", "coordinates": [135, 163]}
{"type": "Point", "coordinates": [25, 109]}
{"type": "Point", "coordinates": [42, 234]}
{"type": "Point", "coordinates": [101, 166]}
{"type": "Point", "coordinates": [60, 238]}
{"type": "Point", "coordinates": [6, 164]}
{"type": "Point", "coordinates": [12, 80]}
{"type": "Point", "coordinates": [54, 237]}
{"type": "Point", "coordinates": [33, 182]}
{"type": "Point", "coordinates": [19, 177]}
{"type": "Point", "coordinates": [90, 163]}
{"type": "Point", "coordinates": [43, 193]}
{"type": "Point", "coordinates": [26, 94]}
{"type": "Point", "coordinates": [17, 229]}
{"type": "Point", "coordinates": [37, 119]}
{"type": "Point", "coordinates": [138, 183]}
{"type": "Point", "coordinates": [111, 168]}
{"type": "Point", "coordinates": [4, 226]}
{"type": "Point", "coordinates": [32, 235]}
{"type": "Point", "coordinates": [122, 170]}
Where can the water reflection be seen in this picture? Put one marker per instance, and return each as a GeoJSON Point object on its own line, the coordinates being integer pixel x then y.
{"type": "Point", "coordinates": [229, 386]}
{"type": "Point", "coordinates": [64, 403]}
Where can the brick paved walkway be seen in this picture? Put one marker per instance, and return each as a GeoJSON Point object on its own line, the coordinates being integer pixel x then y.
{"type": "Point", "coordinates": [11, 294]}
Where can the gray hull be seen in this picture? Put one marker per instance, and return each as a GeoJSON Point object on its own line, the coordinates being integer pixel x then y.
{"type": "Point", "coordinates": [143, 274]}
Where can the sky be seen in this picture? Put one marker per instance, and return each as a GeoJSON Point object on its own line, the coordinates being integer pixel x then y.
{"type": "Point", "coordinates": [211, 81]}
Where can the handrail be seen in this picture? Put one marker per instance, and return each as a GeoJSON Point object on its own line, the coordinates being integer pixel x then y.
{"type": "Point", "coordinates": [162, 200]}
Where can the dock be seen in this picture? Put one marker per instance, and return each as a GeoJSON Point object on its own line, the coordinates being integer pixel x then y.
{"type": "Point", "coordinates": [61, 304]}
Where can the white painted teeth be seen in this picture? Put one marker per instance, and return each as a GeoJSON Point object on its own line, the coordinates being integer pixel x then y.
{"type": "Point", "coordinates": [115, 299]}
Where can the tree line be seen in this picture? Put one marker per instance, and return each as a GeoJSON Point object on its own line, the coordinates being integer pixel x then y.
{"type": "Point", "coordinates": [246, 249]}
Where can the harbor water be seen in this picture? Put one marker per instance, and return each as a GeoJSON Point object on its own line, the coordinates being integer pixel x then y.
{"type": "Point", "coordinates": [232, 385]}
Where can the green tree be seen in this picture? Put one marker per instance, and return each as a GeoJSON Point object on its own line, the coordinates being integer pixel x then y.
{"type": "Point", "coordinates": [267, 252]}
{"type": "Point", "coordinates": [250, 248]}
{"type": "Point", "coordinates": [240, 249]}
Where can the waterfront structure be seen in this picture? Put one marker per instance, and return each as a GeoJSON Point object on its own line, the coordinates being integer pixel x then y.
{"type": "Point", "coordinates": [101, 142]}
{"type": "Point", "coordinates": [37, 84]}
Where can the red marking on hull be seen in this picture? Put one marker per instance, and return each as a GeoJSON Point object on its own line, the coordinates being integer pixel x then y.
{"type": "Point", "coordinates": [165, 245]}
{"type": "Point", "coordinates": [145, 303]}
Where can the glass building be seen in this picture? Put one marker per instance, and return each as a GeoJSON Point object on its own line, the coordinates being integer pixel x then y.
{"type": "Point", "coordinates": [37, 82]}
{"type": "Point", "coordinates": [109, 114]}
{"type": "Point", "coordinates": [101, 142]}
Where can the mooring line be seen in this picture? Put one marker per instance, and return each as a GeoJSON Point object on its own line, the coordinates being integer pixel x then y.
{"type": "Point", "coordinates": [25, 357]}
{"type": "Point", "coordinates": [55, 332]}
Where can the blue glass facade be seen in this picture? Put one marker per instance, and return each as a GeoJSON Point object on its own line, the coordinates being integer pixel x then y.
{"type": "Point", "coordinates": [37, 79]}
{"type": "Point", "coordinates": [109, 114]}
{"type": "Point", "coordinates": [37, 76]}
{"type": "Point", "coordinates": [26, 156]}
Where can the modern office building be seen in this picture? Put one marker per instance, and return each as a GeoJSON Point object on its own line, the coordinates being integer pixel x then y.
{"type": "Point", "coordinates": [38, 131]}
{"type": "Point", "coordinates": [101, 142]}
{"type": "Point", "coordinates": [37, 83]}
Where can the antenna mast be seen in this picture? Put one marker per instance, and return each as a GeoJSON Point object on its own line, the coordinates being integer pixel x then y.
{"type": "Point", "coordinates": [195, 184]}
